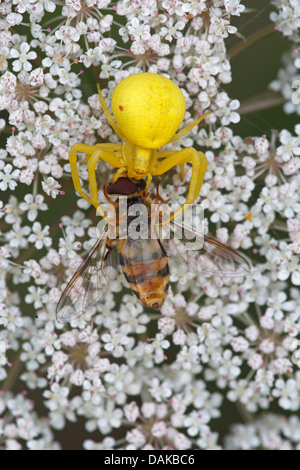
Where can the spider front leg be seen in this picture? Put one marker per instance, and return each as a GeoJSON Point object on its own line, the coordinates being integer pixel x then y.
{"type": "Point", "coordinates": [95, 152]}
{"type": "Point", "coordinates": [181, 134]}
{"type": "Point", "coordinates": [181, 157]}
{"type": "Point", "coordinates": [168, 153]}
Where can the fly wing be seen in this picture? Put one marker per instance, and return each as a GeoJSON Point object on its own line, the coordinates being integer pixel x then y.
{"type": "Point", "coordinates": [89, 283]}
{"type": "Point", "coordinates": [204, 254]}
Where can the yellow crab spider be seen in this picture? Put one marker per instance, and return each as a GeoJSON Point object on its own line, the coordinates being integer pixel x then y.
{"type": "Point", "coordinates": [148, 110]}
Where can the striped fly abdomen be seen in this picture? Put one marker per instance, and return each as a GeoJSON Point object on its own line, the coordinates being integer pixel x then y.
{"type": "Point", "coordinates": [145, 267]}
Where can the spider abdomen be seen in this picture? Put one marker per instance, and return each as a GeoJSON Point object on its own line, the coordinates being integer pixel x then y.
{"type": "Point", "coordinates": [149, 109]}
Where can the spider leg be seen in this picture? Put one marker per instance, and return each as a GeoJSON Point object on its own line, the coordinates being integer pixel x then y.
{"type": "Point", "coordinates": [199, 163]}
{"type": "Point", "coordinates": [109, 147]}
{"type": "Point", "coordinates": [149, 179]}
{"type": "Point", "coordinates": [181, 171]}
{"type": "Point", "coordinates": [118, 173]}
{"type": "Point", "coordinates": [94, 154]}
{"type": "Point", "coordinates": [157, 191]}
{"type": "Point", "coordinates": [168, 153]}
{"type": "Point", "coordinates": [165, 153]}
{"type": "Point", "coordinates": [109, 117]}
{"type": "Point", "coordinates": [188, 128]}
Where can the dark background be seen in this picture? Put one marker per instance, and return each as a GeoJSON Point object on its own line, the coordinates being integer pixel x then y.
{"type": "Point", "coordinates": [254, 68]}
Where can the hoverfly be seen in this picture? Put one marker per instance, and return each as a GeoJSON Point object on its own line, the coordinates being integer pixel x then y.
{"type": "Point", "coordinates": [144, 262]}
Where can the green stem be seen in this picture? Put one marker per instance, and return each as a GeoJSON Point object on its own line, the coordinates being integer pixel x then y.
{"type": "Point", "coordinates": [13, 373]}
{"type": "Point", "coordinates": [261, 102]}
{"type": "Point", "coordinates": [245, 414]}
{"type": "Point", "coordinates": [257, 36]}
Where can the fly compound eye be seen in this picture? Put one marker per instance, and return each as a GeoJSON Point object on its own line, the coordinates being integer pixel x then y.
{"type": "Point", "coordinates": [123, 186]}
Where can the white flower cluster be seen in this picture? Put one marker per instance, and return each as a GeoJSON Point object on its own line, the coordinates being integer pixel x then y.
{"type": "Point", "coordinates": [21, 426]}
{"type": "Point", "coordinates": [287, 21]}
{"type": "Point", "coordinates": [141, 379]}
{"type": "Point", "coordinates": [270, 432]}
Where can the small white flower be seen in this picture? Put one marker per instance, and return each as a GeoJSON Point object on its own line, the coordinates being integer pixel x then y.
{"type": "Point", "coordinates": [179, 337]}
{"type": "Point", "coordinates": [278, 304]}
{"type": "Point", "coordinates": [287, 394]}
{"type": "Point", "coordinates": [221, 27]}
{"type": "Point", "coordinates": [114, 342]}
{"type": "Point", "coordinates": [93, 391]}
{"type": "Point", "coordinates": [51, 187]}
{"type": "Point", "coordinates": [196, 422]}
{"type": "Point", "coordinates": [136, 437]}
{"type": "Point", "coordinates": [239, 344]}
{"type": "Point", "coordinates": [267, 346]}
{"type": "Point", "coordinates": [33, 205]}
{"type": "Point", "coordinates": [23, 57]}
{"type": "Point", "coordinates": [171, 30]}
{"type": "Point", "coordinates": [159, 429]}
{"type": "Point", "coordinates": [166, 325]}
{"type": "Point", "coordinates": [137, 30]}
{"type": "Point", "coordinates": [131, 411]}
{"type": "Point", "coordinates": [36, 295]}
{"type": "Point", "coordinates": [156, 347]}
{"type": "Point", "coordinates": [233, 7]}
{"type": "Point", "coordinates": [67, 34]}
{"type": "Point", "coordinates": [159, 391]}
{"type": "Point", "coordinates": [40, 236]}
{"type": "Point", "coordinates": [9, 178]}
{"type": "Point", "coordinates": [77, 377]}
{"type": "Point", "coordinates": [110, 418]}
{"type": "Point", "coordinates": [37, 77]}
{"type": "Point", "coordinates": [290, 147]}
{"type": "Point", "coordinates": [18, 236]}
{"type": "Point", "coordinates": [27, 176]}
{"type": "Point", "coordinates": [68, 246]}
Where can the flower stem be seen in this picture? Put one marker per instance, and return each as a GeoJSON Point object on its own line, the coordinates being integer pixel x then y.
{"type": "Point", "coordinates": [245, 414]}
{"type": "Point", "coordinates": [13, 373]}
{"type": "Point", "coordinates": [257, 36]}
{"type": "Point", "coordinates": [261, 102]}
